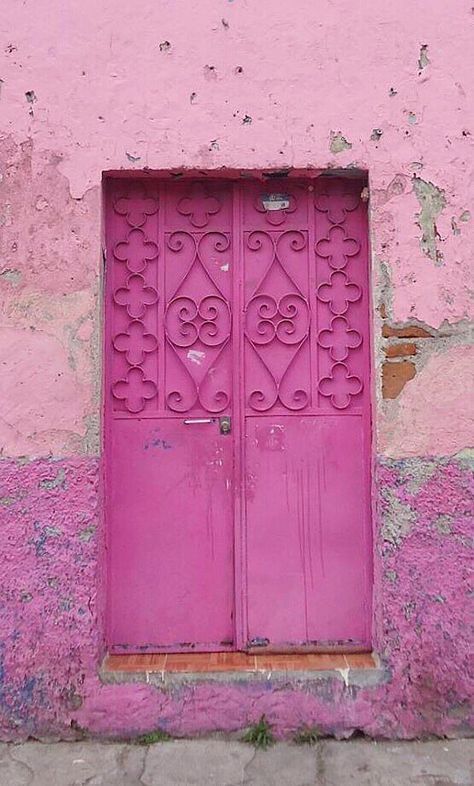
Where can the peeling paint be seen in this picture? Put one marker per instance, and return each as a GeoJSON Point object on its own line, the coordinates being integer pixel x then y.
{"type": "Point", "coordinates": [87, 533]}
{"type": "Point", "coordinates": [338, 143]}
{"type": "Point", "coordinates": [53, 483]}
{"type": "Point", "coordinates": [423, 59]}
{"type": "Point", "coordinates": [432, 419]}
{"type": "Point", "coordinates": [196, 356]}
{"type": "Point", "coordinates": [432, 202]}
{"type": "Point", "coordinates": [443, 524]}
{"type": "Point", "coordinates": [398, 518]}
{"type": "Point", "coordinates": [11, 276]}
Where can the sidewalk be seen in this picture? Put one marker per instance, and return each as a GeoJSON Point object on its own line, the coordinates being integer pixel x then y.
{"type": "Point", "coordinates": [220, 763]}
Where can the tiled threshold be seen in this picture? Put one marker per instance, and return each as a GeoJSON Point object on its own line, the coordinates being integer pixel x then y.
{"type": "Point", "coordinates": [235, 663]}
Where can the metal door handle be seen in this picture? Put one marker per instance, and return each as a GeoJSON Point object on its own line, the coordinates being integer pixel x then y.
{"type": "Point", "coordinates": [224, 423]}
{"type": "Point", "coordinates": [192, 421]}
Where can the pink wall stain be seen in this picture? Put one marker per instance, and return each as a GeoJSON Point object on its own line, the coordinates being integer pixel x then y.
{"type": "Point", "coordinates": [200, 123]}
{"type": "Point", "coordinates": [310, 91]}
{"type": "Point", "coordinates": [53, 243]}
{"type": "Point", "coordinates": [38, 385]}
{"type": "Point", "coordinates": [426, 423]}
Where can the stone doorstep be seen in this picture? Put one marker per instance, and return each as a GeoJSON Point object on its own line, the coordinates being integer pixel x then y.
{"type": "Point", "coordinates": [364, 669]}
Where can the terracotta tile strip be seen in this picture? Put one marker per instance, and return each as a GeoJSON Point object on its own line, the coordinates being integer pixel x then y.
{"type": "Point", "coordinates": [236, 661]}
{"type": "Point", "coordinates": [360, 660]}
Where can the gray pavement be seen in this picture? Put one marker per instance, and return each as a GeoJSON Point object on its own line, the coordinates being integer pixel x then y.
{"type": "Point", "coordinates": [225, 763]}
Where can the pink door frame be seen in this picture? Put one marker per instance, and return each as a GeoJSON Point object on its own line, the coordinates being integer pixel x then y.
{"type": "Point", "coordinates": [339, 210]}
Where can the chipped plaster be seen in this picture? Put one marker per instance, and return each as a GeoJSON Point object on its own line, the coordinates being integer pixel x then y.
{"type": "Point", "coordinates": [338, 143]}
{"type": "Point", "coordinates": [432, 202]}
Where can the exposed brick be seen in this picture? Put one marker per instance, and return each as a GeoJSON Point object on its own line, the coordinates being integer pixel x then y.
{"type": "Point", "coordinates": [395, 376]}
{"type": "Point", "coordinates": [410, 331]}
{"type": "Point", "coordinates": [383, 311]}
{"type": "Point", "coordinates": [400, 350]}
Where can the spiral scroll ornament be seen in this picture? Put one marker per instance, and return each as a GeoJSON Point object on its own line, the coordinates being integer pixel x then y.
{"type": "Point", "coordinates": [277, 326]}
{"type": "Point", "coordinates": [197, 329]}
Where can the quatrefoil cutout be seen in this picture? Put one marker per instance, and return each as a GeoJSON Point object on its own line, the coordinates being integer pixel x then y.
{"type": "Point", "coordinates": [135, 342]}
{"type": "Point", "coordinates": [136, 296]}
{"type": "Point", "coordinates": [136, 208]}
{"type": "Point", "coordinates": [198, 205]}
{"type": "Point", "coordinates": [337, 247]}
{"type": "Point", "coordinates": [339, 338]}
{"type": "Point", "coordinates": [340, 386]}
{"type": "Point", "coordinates": [338, 292]}
{"type": "Point", "coordinates": [134, 390]}
{"type": "Point", "coordinates": [136, 251]}
{"type": "Point", "coordinates": [337, 206]}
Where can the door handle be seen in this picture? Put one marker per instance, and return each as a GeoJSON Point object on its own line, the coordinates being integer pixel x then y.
{"type": "Point", "coordinates": [225, 424]}
{"type": "Point", "coordinates": [192, 421]}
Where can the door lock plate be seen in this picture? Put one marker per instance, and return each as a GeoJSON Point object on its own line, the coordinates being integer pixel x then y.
{"type": "Point", "coordinates": [225, 425]}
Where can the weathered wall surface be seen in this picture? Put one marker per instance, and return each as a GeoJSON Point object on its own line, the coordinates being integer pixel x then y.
{"type": "Point", "coordinates": [88, 87]}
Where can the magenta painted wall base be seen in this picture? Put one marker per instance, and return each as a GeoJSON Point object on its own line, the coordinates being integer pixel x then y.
{"type": "Point", "coordinates": [51, 621]}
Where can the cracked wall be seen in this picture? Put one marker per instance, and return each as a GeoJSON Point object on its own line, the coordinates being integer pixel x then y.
{"type": "Point", "coordinates": [76, 101]}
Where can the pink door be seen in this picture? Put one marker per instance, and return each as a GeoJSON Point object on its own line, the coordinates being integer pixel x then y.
{"type": "Point", "coordinates": [237, 415]}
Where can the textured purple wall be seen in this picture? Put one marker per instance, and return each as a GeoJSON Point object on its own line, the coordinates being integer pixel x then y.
{"type": "Point", "coordinates": [52, 593]}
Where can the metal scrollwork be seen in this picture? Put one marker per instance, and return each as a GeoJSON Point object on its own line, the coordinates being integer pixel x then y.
{"type": "Point", "coordinates": [134, 342]}
{"type": "Point", "coordinates": [136, 296]}
{"type": "Point", "coordinates": [336, 247]}
{"type": "Point", "coordinates": [136, 207]}
{"type": "Point", "coordinates": [136, 251]}
{"type": "Point", "coordinates": [286, 319]}
{"type": "Point", "coordinates": [277, 326]}
{"type": "Point", "coordinates": [338, 338]}
{"type": "Point", "coordinates": [339, 292]}
{"type": "Point", "coordinates": [206, 320]}
{"type": "Point", "coordinates": [337, 208]}
{"type": "Point", "coordinates": [340, 386]}
{"type": "Point", "coordinates": [135, 389]}
{"type": "Point", "coordinates": [199, 205]}
{"type": "Point", "coordinates": [197, 329]}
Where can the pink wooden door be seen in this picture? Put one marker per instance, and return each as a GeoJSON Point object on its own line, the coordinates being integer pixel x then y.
{"type": "Point", "coordinates": [237, 416]}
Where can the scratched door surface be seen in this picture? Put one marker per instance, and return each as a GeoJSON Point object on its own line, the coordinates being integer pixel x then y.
{"type": "Point", "coordinates": [169, 468]}
{"type": "Point", "coordinates": [230, 308]}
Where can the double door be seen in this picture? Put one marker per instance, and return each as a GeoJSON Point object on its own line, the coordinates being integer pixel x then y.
{"type": "Point", "coordinates": [237, 427]}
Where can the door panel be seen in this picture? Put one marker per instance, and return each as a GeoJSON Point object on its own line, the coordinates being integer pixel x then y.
{"type": "Point", "coordinates": [169, 467]}
{"type": "Point", "coordinates": [307, 417]}
{"type": "Point", "coordinates": [171, 541]}
{"type": "Point", "coordinates": [245, 301]}
{"type": "Point", "coordinates": [306, 547]}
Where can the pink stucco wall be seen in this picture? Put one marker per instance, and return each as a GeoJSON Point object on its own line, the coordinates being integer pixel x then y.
{"type": "Point", "coordinates": [215, 86]}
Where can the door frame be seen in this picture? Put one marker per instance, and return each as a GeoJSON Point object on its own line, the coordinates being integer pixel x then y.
{"type": "Point", "coordinates": [235, 179]}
